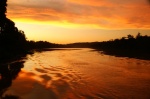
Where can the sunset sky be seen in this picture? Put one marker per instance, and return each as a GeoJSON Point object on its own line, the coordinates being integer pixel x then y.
{"type": "Point", "coordinates": [67, 21]}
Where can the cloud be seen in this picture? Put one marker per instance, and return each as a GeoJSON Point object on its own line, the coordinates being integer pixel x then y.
{"type": "Point", "coordinates": [102, 13]}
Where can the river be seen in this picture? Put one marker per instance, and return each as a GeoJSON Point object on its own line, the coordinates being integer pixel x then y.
{"type": "Point", "coordinates": [79, 74]}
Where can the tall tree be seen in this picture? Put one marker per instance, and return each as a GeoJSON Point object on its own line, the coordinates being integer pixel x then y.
{"type": "Point", "coordinates": [3, 10]}
{"type": "Point", "coordinates": [12, 40]}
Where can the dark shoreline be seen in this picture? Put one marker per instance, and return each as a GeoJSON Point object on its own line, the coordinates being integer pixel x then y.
{"type": "Point", "coordinates": [8, 57]}
{"type": "Point", "coordinates": [137, 54]}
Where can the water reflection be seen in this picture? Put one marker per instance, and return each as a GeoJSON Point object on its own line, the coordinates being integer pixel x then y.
{"type": "Point", "coordinates": [8, 72]}
{"type": "Point", "coordinates": [78, 74]}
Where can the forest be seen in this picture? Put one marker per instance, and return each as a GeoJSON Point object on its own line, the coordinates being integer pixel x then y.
{"type": "Point", "coordinates": [130, 46]}
{"type": "Point", "coordinates": [12, 41]}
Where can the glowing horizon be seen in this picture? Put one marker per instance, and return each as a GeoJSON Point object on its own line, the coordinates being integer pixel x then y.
{"type": "Point", "coordinates": [66, 21]}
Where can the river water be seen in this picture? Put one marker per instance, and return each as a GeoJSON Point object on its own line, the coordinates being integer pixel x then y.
{"type": "Point", "coordinates": [80, 74]}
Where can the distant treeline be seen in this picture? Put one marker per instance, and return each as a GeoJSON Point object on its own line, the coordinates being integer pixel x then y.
{"type": "Point", "coordinates": [130, 46]}
{"type": "Point", "coordinates": [130, 42]}
{"type": "Point", "coordinates": [41, 44]}
{"type": "Point", "coordinates": [125, 43]}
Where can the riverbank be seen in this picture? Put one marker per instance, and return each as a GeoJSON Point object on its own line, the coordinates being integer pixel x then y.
{"type": "Point", "coordinates": [9, 56]}
{"type": "Point", "coordinates": [138, 54]}
{"type": "Point", "coordinates": [133, 47]}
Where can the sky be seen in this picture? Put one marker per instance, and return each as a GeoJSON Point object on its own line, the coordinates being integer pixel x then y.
{"type": "Point", "coordinates": [68, 21]}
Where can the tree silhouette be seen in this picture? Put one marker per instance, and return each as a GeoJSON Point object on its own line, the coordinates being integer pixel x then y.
{"type": "Point", "coordinates": [138, 35]}
{"type": "Point", "coordinates": [9, 72]}
{"type": "Point", "coordinates": [130, 36]}
{"type": "Point", "coordinates": [12, 40]}
{"type": "Point", "coordinates": [3, 5]}
{"type": "Point", "coordinates": [129, 46]}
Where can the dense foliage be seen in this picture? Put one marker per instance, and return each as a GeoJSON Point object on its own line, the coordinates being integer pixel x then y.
{"type": "Point", "coordinates": [125, 43]}
{"type": "Point", "coordinates": [130, 46]}
{"type": "Point", "coordinates": [12, 40]}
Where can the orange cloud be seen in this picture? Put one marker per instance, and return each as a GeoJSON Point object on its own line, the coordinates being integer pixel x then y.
{"type": "Point", "coordinates": [110, 14]}
{"type": "Point", "coordinates": [93, 2]}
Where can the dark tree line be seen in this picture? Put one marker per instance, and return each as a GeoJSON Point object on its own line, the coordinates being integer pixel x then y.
{"type": "Point", "coordinates": [41, 44]}
{"type": "Point", "coordinates": [12, 40]}
{"type": "Point", "coordinates": [130, 46]}
{"type": "Point", "coordinates": [125, 43]}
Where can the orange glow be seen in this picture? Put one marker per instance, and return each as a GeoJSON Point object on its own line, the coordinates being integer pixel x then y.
{"type": "Point", "coordinates": [106, 14]}
{"type": "Point", "coordinates": [93, 2]}
{"type": "Point", "coordinates": [74, 18]}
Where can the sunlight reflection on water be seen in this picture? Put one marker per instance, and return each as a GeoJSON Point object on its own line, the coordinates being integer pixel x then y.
{"type": "Point", "coordinates": [81, 74]}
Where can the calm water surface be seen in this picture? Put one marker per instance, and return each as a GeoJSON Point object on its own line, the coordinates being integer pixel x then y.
{"type": "Point", "coordinates": [81, 74]}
